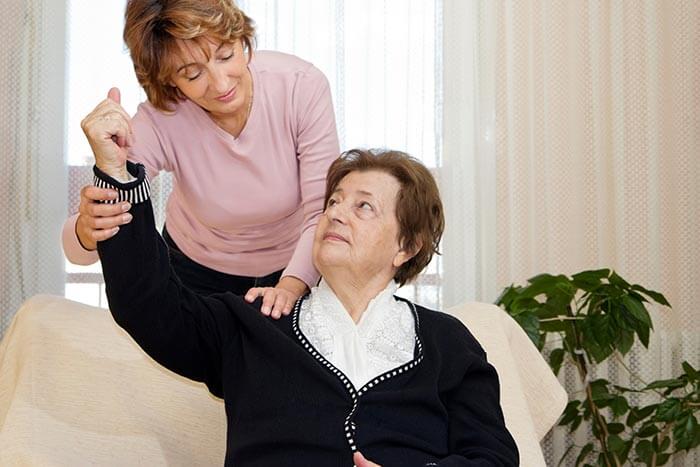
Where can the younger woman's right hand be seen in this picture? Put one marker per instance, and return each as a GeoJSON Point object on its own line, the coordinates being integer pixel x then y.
{"type": "Point", "coordinates": [98, 221]}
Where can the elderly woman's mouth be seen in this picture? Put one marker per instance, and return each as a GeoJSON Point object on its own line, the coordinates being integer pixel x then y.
{"type": "Point", "coordinates": [334, 237]}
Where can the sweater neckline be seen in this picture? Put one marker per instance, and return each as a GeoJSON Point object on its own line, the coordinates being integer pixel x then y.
{"type": "Point", "coordinates": [355, 394]}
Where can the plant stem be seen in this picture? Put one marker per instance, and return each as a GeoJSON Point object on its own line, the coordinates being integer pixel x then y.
{"type": "Point", "coordinates": [662, 436]}
{"type": "Point", "coordinates": [580, 362]}
{"type": "Point", "coordinates": [629, 370]}
{"type": "Point", "coordinates": [560, 318]}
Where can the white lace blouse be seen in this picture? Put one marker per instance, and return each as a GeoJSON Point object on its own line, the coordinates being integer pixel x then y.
{"type": "Point", "coordinates": [382, 339]}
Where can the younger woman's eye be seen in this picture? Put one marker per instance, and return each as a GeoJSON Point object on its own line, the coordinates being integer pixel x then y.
{"type": "Point", "coordinates": [227, 57]}
{"type": "Point", "coordinates": [193, 77]}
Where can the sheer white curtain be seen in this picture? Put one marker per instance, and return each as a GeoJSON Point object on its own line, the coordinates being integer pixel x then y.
{"type": "Point", "coordinates": [32, 175]}
{"type": "Point", "coordinates": [578, 128]}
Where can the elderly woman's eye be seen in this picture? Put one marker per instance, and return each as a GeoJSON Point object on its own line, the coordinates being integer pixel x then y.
{"type": "Point", "coordinates": [365, 205]}
{"type": "Point", "coordinates": [331, 202]}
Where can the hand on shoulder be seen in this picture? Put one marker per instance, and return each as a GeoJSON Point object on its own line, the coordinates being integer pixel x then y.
{"type": "Point", "coordinates": [278, 301]}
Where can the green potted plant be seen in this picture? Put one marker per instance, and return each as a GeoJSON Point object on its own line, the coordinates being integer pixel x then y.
{"type": "Point", "coordinates": [584, 320]}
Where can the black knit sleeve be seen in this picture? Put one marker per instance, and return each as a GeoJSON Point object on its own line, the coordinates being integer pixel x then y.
{"type": "Point", "coordinates": [182, 331]}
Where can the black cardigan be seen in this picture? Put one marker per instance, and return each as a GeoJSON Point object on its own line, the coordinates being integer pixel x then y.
{"type": "Point", "coordinates": [285, 404]}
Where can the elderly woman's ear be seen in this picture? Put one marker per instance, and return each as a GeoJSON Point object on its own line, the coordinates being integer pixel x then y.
{"type": "Point", "coordinates": [405, 254]}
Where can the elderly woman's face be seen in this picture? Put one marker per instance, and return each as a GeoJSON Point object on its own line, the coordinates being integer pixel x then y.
{"type": "Point", "coordinates": [358, 232]}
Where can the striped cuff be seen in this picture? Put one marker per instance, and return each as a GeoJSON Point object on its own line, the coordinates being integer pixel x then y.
{"type": "Point", "coordinates": [136, 191]}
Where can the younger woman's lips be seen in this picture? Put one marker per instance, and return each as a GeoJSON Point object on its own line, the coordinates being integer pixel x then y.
{"type": "Point", "coordinates": [228, 96]}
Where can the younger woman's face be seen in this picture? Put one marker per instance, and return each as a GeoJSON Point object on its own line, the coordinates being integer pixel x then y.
{"type": "Point", "coordinates": [222, 84]}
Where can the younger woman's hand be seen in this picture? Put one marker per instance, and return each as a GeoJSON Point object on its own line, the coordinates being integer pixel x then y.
{"type": "Point", "coordinates": [279, 300]}
{"type": "Point", "coordinates": [98, 221]}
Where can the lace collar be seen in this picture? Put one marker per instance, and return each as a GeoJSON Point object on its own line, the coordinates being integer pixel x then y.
{"type": "Point", "coordinates": [382, 339]}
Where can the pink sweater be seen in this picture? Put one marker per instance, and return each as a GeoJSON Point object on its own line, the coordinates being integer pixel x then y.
{"type": "Point", "coordinates": [248, 205]}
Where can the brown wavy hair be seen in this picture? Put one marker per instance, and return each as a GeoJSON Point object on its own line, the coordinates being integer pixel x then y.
{"type": "Point", "coordinates": [419, 208]}
{"type": "Point", "coordinates": [152, 29]}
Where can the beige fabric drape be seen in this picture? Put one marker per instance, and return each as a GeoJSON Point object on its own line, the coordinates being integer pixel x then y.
{"type": "Point", "coordinates": [578, 125]}
{"type": "Point", "coordinates": [32, 175]}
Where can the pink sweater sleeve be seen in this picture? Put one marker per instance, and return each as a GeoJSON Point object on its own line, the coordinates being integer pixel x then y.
{"type": "Point", "coordinates": [147, 150]}
{"type": "Point", "coordinates": [72, 248]}
{"type": "Point", "coordinates": [317, 148]}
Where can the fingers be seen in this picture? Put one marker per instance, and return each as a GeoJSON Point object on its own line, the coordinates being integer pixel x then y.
{"type": "Point", "coordinates": [281, 306]}
{"type": "Point", "coordinates": [106, 125]}
{"type": "Point", "coordinates": [360, 461]}
{"type": "Point", "coordinates": [115, 95]}
{"type": "Point", "coordinates": [90, 205]}
{"type": "Point", "coordinates": [93, 236]}
{"type": "Point", "coordinates": [98, 221]}
{"type": "Point", "coordinates": [276, 302]}
{"type": "Point", "coordinates": [93, 193]}
{"type": "Point", "coordinates": [269, 300]}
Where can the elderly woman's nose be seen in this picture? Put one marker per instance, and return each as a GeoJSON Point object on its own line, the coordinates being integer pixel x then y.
{"type": "Point", "coordinates": [337, 212]}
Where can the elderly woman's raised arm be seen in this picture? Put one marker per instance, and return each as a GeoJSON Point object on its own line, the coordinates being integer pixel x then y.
{"type": "Point", "coordinates": [184, 332]}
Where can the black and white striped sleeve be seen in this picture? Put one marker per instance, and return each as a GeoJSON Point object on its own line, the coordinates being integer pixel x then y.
{"type": "Point", "coordinates": [135, 192]}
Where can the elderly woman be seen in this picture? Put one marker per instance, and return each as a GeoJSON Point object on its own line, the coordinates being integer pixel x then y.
{"type": "Point", "coordinates": [354, 373]}
{"type": "Point", "coordinates": [248, 138]}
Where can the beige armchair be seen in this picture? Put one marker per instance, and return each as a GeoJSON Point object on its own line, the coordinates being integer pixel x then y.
{"type": "Point", "coordinates": [76, 390]}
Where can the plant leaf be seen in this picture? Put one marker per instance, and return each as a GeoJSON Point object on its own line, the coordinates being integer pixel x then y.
{"type": "Point", "coordinates": [507, 296]}
{"type": "Point", "coordinates": [656, 296]}
{"type": "Point", "coordinates": [619, 406]}
{"type": "Point", "coordinates": [615, 443]}
{"type": "Point", "coordinates": [648, 429]}
{"type": "Point", "coordinates": [556, 358]}
{"type": "Point", "coordinates": [644, 450]}
{"type": "Point", "coordinates": [531, 325]}
{"type": "Point", "coordinates": [668, 410]}
{"type": "Point", "coordinates": [599, 389]}
{"type": "Point", "coordinates": [618, 281]}
{"type": "Point", "coordinates": [566, 453]}
{"type": "Point", "coordinates": [570, 412]}
{"type": "Point", "coordinates": [584, 452]}
{"type": "Point", "coordinates": [589, 280]}
{"type": "Point", "coordinates": [636, 414]}
{"type": "Point", "coordinates": [666, 383]}
{"type": "Point", "coordinates": [543, 283]}
{"type": "Point", "coordinates": [576, 423]}
{"type": "Point", "coordinates": [684, 432]}
{"type": "Point", "coordinates": [615, 428]}
{"type": "Point", "coordinates": [661, 459]}
{"type": "Point", "coordinates": [643, 333]}
{"type": "Point", "coordinates": [637, 309]}
{"type": "Point", "coordinates": [522, 305]}
{"type": "Point", "coordinates": [692, 373]}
